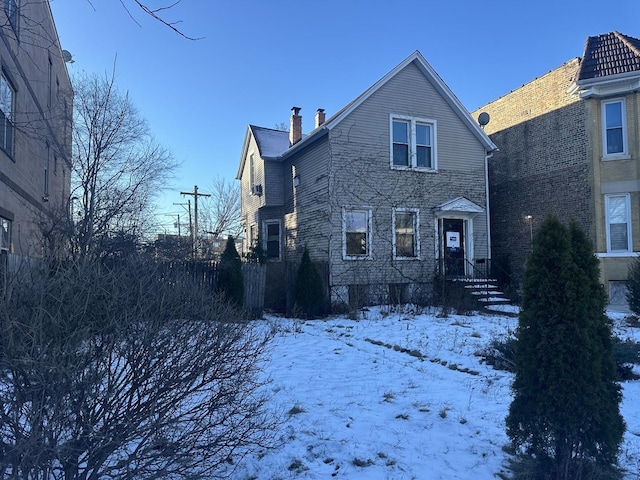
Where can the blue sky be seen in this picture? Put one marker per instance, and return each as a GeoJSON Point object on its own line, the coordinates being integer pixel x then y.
{"type": "Point", "coordinates": [256, 59]}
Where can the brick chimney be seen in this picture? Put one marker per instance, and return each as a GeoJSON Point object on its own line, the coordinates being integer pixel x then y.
{"type": "Point", "coordinates": [295, 128]}
{"type": "Point", "coordinates": [320, 117]}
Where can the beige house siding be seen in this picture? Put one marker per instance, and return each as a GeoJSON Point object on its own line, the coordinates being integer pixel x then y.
{"type": "Point", "coordinates": [363, 177]}
{"type": "Point", "coordinates": [42, 125]}
{"type": "Point", "coordinates": [307, 203]}
{"type": "Point", "coordinates": [346, 163]}
{"type": "Point", "coordinates": [615, 177]}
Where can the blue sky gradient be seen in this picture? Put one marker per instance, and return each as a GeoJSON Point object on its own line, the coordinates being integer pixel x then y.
{"type": "Point", "coordinates": [256, 59]}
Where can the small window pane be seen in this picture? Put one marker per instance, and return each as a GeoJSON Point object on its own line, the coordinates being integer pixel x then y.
{"type": "Point", "coordinates": [617, 210]}
{"type": "Point", "coordinates": [356, 225]}
{"type": "Point", "coordinates": [618, 236]}
{"type": "Point", "coordinates": [401, 155]}
{"type": "Point", "coordinates": [423, 134]}
{"type": "Point", "coordinates": [273, 240]}
{"type": "Point", "coordinates": [5, 230]}
{"type": "Point", "coordinates": [613, 113]}
{"type": "Point", "coordinates": [401, 143]}
{"type": "Point", "coordinates": [618, 223]}
{"type": "Point", "coordinates": [423, 155]}
{"type": "Point", "coordinates": [405, 234]}
{"type": "Point", "coordinates": [614, 141]}
{"type": "Point", "coordinates": [400, 132]}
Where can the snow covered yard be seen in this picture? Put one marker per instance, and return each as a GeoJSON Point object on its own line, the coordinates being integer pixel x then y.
{"type": "Point", "coordinates": [398, 395]}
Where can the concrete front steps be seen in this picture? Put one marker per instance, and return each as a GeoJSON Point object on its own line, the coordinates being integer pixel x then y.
{"type": "Point", "coordinates": [486, 293]}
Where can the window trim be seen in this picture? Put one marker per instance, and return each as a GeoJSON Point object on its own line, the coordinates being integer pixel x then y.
{"type": "Point", "coordinates": [265, 240]}
{"type": "Point", "coordinates": [413, 157]}
{"type": "Point", "coordinates": [8, 224]}
{"type": "Point", "coordinates": [627, 198]}
{"type": "Point", "coordinates": [416, 233]}
{"type": "Point", "coordinates": [625, 145]}
{"type": "Point", "coordinates": [369, 212]}
{"type": "Point", "coordinates": [10, 119]}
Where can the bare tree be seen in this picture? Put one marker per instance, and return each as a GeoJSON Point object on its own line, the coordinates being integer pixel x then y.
{"type": "Point", "coordinates": [220, 213]}
{"type": "Point", "coordinates": [126, 370]}
{"type": "Point", "coordinates": [118, 167]}
{"type": "Point", "coordinates": [158, 13]}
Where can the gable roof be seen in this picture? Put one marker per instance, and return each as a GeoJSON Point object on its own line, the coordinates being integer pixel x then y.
{"type": "Point", "coordinates": [609, 54]}
{"type": "Point", "coordinates": [274, 144]}
{"type": "Point", "coordinates": [271, 143]}
{"type": "Point", "coordinates": [428, 71]}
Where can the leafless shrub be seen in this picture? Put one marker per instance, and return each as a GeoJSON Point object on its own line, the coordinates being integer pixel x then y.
{"type": "Point", "coordinates": [128, 371]}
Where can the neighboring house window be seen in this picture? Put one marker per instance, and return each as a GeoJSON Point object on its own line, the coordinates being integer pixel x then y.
{"type": "Point", "coordinates": [405, 234]}
{"type": "Point", "coordinates": [413, 143]}
{"type": "Point", "coordinates": [11, 9]}
{"type": "Point", "coordinates": [618, 223]}
{"type": "Point", "coordinates": [614, 128]}
{"type": "Point", "coordinates": [253, 236]}
{"type": "Point", "coordinates": [7, 99]}
{"type": "Point", "coordinates": [256, 189]}
{"type": "Point", "coordinates": [357, 233]}
{"type": "Point", "coordinates": [46, 172]}
{"type": "Point", "coordinates": [272, 239]}
{"type": "Point", "coordinates": [252, 173]}
{"type": "Point", "coordinates": [5, 233]}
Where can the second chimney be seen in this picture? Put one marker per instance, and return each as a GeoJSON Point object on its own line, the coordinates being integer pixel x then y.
{"type": "Point", "coordinates": [320, 117]}
{"type": "Point", "coordinates": [295, 127]}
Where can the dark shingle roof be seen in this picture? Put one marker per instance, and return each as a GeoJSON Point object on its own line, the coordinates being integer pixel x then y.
{"type": "Point", "coordinates": [271, 143]}
{"type": "Point", "coordinates": [609, 54]}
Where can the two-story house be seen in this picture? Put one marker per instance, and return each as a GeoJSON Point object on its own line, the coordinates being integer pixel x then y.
{"type": "Point", "coordinates": [570, 145]}
{"type": "Point", "coordinates": [35, 123]}
{"type": "Point", "coordinates": [386, 192]}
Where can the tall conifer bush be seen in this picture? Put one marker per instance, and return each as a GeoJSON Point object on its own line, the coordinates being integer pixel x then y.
{"type": "Point", "coordinates": [565, 411]}
{"type": "Point", "coordinates": [309, 295]}
{"type": "Point", "coordinates": [230, 279]}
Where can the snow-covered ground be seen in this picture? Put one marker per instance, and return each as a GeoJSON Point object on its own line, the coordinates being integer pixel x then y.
{"type": "Point", "coordinates": [398, 395]}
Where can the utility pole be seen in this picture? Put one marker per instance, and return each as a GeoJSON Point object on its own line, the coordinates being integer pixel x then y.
{"type": "Point", "coordinates": [195, 195]}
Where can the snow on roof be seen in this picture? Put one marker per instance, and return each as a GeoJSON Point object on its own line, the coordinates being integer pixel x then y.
{"type": "Point", "coordinates": [271, 143]}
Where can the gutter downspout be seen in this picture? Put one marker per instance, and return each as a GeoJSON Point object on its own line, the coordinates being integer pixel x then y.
{"type": "Point", "coordinates": [486, 183]}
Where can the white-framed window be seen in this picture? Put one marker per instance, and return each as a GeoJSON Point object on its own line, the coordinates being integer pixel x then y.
{"type": "Point", "coordinates": [7, 106]}
{"type": "Point", "coordinates": [618, 218]}
{"type": "Point", "coordinates": [46, 172]}
{"type": "Point", "coordinates": [252, 173]}
{"type": "Point", "coordinates": [5, 233]}
{"type": "Point", "coordinates": [356, 233]}
{"type": "Point", "coordinates": [406, 241]}
{"type": "Point", "coordinates": [413, 143]}
{"type": "Point", "coordinates": [272, 239]}
{"type": "Point", "coordinates": [614, 129]}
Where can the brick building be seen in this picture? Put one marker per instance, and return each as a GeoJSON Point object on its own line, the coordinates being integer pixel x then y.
{"type": "Point", "coordinates": [35, 123]}
{"type": "Point", "coordinates": [570, 145]}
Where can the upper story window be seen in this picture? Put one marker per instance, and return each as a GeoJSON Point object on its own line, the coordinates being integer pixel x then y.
{"type": "Point", "coordinates": [618, 218]}
{"type": "Point", "coordinates": [356, 237]}
{"type": "Point", "coordinates": [405, 234]}
{"type": "Point", "coordinates": [7, 101]}
{"type": "Point", "coordinates": [256, 188]}
{"type": "Point", "coordinates": [614, 129]}
{"type": "Point", "coordinates": [5, 233]}
{"type": "Point", "coordinates": [413, 143]}
{"type": "Point", "coordinates": [11, 10]}
{"type": "Point", "coordinates": [272, 239]}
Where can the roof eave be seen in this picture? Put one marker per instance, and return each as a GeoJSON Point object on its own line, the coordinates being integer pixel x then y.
{"type": "Point", "coordinates": [308, 140]}
{"type": "Point", "coordinates": [243, 155]}
{"type": "Point", "coordinates": [610, 85]}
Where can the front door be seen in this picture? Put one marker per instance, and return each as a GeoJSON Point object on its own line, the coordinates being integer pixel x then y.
{"type": "Point", "coordinates": [453, 242]}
